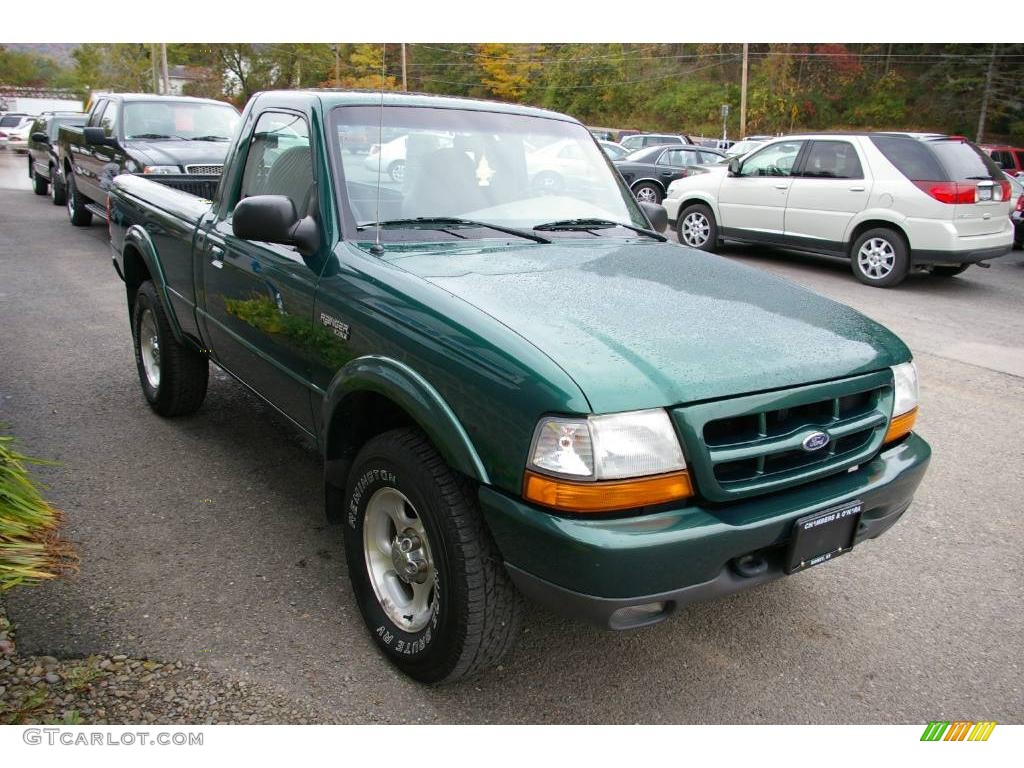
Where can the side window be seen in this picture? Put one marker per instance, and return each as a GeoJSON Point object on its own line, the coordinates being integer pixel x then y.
{"type": "Point", "coordinates": [707, 158]}
{"type": "Point", "coordinates": [689, 157]}
{"type": "Point", "coordinates": [774, 160]}
{"type": "Point", "coordinates": [1005, 159]}
{"type": "Point", "coordinates": [672, 157]}
{"type": "Point", "coordinates": [109, 120]}
{"type": "Point", "coordinates": [94, 117]}
{"type": "Point", "coordinates": [832, 160]}
{"type": "Point", "coordinates": [280, 161]}
{"type": "Point", "coordinates": [1020, 160]}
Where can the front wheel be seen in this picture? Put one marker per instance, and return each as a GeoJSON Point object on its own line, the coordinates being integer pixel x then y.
{"type": "Point", "coordinates": [696, 227]}
{"type": "Point", "coordinates": [173, 376]}
{"type": "Point", "coordinates": [426, 575]}
{"type": "Point", "coordinates": [397, 171]}
{"type": "Point", "coordinates": [880, 258]}
{"type": "Point", "coordinates": [39, 185]}
{"type": "Point", "coordinates": [57, 192]}
{"type": "Point", "coordinates": [79, 215]}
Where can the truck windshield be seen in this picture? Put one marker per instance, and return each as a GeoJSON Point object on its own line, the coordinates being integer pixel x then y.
{"type": "Point", "coordinates": [179, 120]}
{"type": "Point", "coordinates": [516, 171]}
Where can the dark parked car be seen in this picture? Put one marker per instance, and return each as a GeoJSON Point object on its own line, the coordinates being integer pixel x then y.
{"type": "Point", "coordinates": [648, 172]}
{"type": "Point", "coordinates": [43, 161]}
{"type": "Point", "coordinates": [176, 140]}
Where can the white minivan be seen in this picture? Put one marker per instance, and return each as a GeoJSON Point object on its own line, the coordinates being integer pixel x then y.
{"type": "Point", "coordinates": [886, 201]}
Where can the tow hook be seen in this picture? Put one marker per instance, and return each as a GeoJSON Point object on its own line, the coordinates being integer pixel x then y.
{"type": "Point", "coordinates": [983, 265]}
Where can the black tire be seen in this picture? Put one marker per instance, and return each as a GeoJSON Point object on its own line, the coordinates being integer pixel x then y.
{"type": "Point", "coordinates": [396, 170]}
{"type": "Point", "coordinates": [888, 273]}
{"type": "Point", "coordinates": [940, 271]}
{"type": "Point", "coordinates": [648, 192]}
{"type": "Point", "coordinates": [474, 608]}
{"type": "Point", "coordinates": [80, 215]}
{"type": "Point", "coordinates": [183, 373]}
{"type": "Point", "coordinates": [39, 185]}
{"type": "Point", "coordinates": [57, 192]}
{"type": "Point", "coordinates": [686, 229]}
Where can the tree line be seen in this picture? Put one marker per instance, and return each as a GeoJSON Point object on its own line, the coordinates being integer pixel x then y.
{"type": "Point", "coordinates": [666, 87]}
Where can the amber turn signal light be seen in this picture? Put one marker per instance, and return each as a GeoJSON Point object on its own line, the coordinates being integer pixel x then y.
{"type": "Point", "coordinates": [901, 425]}
{"type": "Point", "coordinates": [606, 496]}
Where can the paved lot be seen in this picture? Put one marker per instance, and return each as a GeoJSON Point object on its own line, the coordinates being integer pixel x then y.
{"type": "Point", "coordinates": [202, 538]}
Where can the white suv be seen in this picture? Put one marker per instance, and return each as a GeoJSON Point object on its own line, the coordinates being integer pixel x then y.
{"type": "Point", "coordinates": [886, 201]}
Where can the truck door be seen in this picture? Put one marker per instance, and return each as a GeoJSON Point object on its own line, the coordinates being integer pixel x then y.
{"type": "Point", "coordinates": [100, 162]}
{"type": "Point", "coordinates": [753, 202]}
{"type": "Point", "coordinates": [259, 297]}
{"type": "Point", "coordinates": [829, 190]}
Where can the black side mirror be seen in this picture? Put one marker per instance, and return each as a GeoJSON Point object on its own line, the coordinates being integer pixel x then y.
{"type": "Point", "coordinates": [97, 137]}
{"type": "Point", "coordinates": [40, 138]}
{"type": "Point", "coordinates": [734, 166]}
{"type": "Point", "coordinates": [272, 219]}
{"type": "Point", "coordinates": [657, 215]}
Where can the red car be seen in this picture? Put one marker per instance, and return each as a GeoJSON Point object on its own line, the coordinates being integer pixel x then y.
{"type": "Point", "coordinates": [1010, 159]}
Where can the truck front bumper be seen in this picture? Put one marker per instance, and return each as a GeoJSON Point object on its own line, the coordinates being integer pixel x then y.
{"type": "Point", "coordinates": [626, 572]}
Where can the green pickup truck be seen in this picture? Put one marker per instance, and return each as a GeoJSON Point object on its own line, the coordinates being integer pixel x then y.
{"type": "Point", "coordinates": [517, 385]}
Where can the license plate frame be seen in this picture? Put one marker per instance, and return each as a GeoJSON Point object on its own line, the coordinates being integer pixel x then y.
{"type": "Point", "coordinates": [823, 536]}
{"type": "Point", "coordinates": [985, 193]}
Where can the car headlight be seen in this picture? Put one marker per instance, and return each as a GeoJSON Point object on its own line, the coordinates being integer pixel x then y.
{"type": "Point", "coordinates": [161, 169]}
{"type": "Point", "coordinates": [606, 463]}
{"type": "Point", "coordinates": [904, 403]}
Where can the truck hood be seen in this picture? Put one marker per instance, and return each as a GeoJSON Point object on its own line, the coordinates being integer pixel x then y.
{"type": "Point", "coordinates": [647, 324]}
{"type": "Point", "coordinates": [174, 152]}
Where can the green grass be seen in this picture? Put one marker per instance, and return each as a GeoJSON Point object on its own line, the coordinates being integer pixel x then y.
{"type": "Point", "coordinates": [31, 549]}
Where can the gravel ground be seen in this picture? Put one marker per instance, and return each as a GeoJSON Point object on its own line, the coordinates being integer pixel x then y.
{"type": "Point", "coordinates": [117, 690]}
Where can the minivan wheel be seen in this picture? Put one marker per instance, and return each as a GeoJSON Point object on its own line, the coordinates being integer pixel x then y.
{"type": "Point", "coordinates": [879, 258]}
{"type": "Point", "coordinates": [696, 227]}
{"type": "Point", "coordinates": [427, 577]}
{"type": "Point", "coordinates": [942, 271]}
{"type": "Point", "coordinates": [647, 192]}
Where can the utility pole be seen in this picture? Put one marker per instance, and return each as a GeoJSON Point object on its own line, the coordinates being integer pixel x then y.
{"type": "Point", "coordinates": [337, 65]}
{"type": "Point", "coordinates": [743, 94]}
{"type": "Point", "coordinates": [985, 96]}
{"type": "Point", "coordinates": [152, 60]}
{"type": "Point", "coordinates": [163, 64]}
{"type": "Point", "coordinates": [405, 80]}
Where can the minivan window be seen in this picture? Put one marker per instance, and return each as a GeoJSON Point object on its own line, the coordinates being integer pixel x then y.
{"type": "Point", "coordinates": [774, 160]}
{"type": "Point", "coordinates": [10, 121]}
{"type": "Point", "coordinates": [832, 160]}
{"type": "Point", "coordinates": [964, 161]}
{"type": "Point", "coordinates": [911, 157]}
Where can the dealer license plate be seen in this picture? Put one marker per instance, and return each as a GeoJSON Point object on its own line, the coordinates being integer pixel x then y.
{"type": "Point", "coordinates": [823, 536]}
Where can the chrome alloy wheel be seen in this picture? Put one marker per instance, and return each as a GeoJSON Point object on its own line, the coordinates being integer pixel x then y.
{"type": "Point", "coordinates": [398, 559]}
{"type": "Point", "coordinates": [876, 258]}
{"type": "Point", "coordinates": [696, 229]}
{"type": "Point", "coordinates": [646, 195]}
{"type": "Point", "coordinates": [149, 347]}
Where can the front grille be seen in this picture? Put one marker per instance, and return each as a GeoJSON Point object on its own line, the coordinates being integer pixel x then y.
{"type": "Point", "coordinates": [204, 170]}
{"type": "Point", "coordinates": [200, 187]}
{"type": "Point", "coordinates": [754, 444]}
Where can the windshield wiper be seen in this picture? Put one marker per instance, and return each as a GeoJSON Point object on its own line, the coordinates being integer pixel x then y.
{"type": "Point", "coordinates": [446, 222]}
{"type": "Point", "coordinates": [588, 224]}
{"type": "Point", "coordinates": [149, 136]}
{"type": "Point", "coordinates": [210, 138]}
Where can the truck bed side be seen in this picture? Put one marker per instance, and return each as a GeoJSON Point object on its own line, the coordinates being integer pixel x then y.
{"type": "Point", "coordinates": [158, 224]}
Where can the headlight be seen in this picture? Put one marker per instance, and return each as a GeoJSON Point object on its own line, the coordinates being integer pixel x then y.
{"type": "Point", "coordinates": [904, 404]}
{"type": "Point", "coordinates": [598, 459]}
{"type": "Point", "coordinates": [161, 169]}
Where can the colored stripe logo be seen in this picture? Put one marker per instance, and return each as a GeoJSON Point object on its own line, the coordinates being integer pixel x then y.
{"type": "Point", "coordinates": [958, 730]}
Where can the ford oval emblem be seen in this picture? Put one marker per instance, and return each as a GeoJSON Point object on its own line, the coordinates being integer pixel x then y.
{"type": "Point", "coordinates": [816, 441]}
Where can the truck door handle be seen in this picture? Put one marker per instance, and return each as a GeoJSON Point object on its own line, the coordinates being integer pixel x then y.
{"type": "Point", "coordinates": [856, 189]}
{"type": "Point", "coordinates": [217, 263]}
{"type": "Point", "coordinates": [782, 186]}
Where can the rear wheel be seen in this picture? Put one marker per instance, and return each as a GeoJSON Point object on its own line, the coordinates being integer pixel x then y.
{"type": "Point", "coordinates": [173, 376]}
{"type": "Point", "coordinates": [696, 227]}
{"type": "Point", "coordinates": [80, 215]}
{"type": "Point", "coordinates": [648, 192]}
{"type": "Point", "coordinates": [879, 258]}
{"type": "Point", "coordinates": [397, 171]}
{"type": "Point", "coordinates": [950, 271]}
{"type": "Point", "coordinates": [426, 574]}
